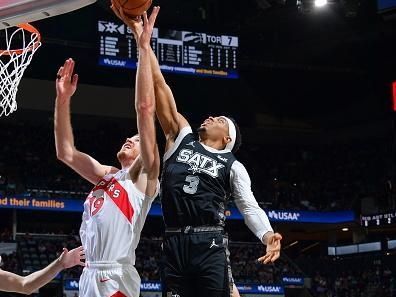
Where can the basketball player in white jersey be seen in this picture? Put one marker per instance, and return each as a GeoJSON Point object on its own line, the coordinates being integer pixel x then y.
{"type": "Point", "coordinates": [11, 282]}
{"type": "Point", "coordinates": [116, 208]}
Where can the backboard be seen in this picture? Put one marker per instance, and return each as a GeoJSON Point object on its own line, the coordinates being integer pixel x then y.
{"type": "Point", "coordinates": [14, 12]}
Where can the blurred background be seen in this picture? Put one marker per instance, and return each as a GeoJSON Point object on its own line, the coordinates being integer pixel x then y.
{"type": "Point", "coordinates": [313, 88]}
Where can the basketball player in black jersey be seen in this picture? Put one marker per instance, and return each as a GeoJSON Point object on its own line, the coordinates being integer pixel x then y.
{"type": "Point", "coordinates": [198, 178]}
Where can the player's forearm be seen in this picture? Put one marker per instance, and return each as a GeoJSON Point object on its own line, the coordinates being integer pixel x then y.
{"type": "Point", "coordinates": [158, 78]}
{"type": "Point", "coordinates": [64, 140]}
{"type": "Point", "coordinates": [40, 278]}
{"type": "Point", "coordinates": [255, 218]}
{"type": "Point", "coordinates": [145, 102]}
{"type": "Point", "coordinates": [166, 108]}
{"type": "Point", "coordinates": [145, 107]}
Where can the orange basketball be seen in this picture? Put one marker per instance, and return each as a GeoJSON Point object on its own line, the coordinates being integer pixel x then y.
{"type": "Point", "coordinates": [133, 8]}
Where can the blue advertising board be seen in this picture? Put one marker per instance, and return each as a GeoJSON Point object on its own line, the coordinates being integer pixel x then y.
{"type": "Point", "coordinates": [47, 204]}
{"type": "Point", "coordinates": [72, 285]}
{"type": "Point", "coordinates": [260, 289]}
{"type": "Point", "coordinates": [293, 280]}
{"type": "Point", "coordinates": [73, 205]}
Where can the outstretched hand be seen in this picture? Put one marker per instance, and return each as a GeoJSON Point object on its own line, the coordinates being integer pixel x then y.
{"type": "Point", "coordinates": [66, 81]}
{"type": "Point", "coordinates": [136, 24]}
{"type": "Point", "coordinates": [72, 258]}
{"type": "Point", "coordinates": [141, 31]}
{"type": "Point", "coordinates": [145, 37]}
{"type": "Point", "coordinates": [272, 250]}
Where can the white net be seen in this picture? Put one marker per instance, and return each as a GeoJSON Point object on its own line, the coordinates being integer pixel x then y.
{"type": "Point", "coordinates": [20, 46]}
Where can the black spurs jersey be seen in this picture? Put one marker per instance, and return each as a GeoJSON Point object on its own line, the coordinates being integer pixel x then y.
{"type": "Point", "coordinates": [195, 185]}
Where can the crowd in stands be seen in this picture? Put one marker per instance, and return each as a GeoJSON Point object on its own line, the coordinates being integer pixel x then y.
{"type": "Point", "coordinates": [369, 275]}
{"type": "Point", "coordinates": [10, 262]}
{"type": "Point", "coordinates": [243, 257]}
{"type": "Point", "coordinates": [319, 177]}
{"type": "Point", "coordinates": [5, 235]}
{"type": "Point", "coordinates": [36, 252]}
{"type": "Point", "coordinates": [330, 177]}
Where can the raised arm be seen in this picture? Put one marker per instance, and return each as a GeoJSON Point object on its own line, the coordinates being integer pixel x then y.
{"type": "Point", "coordinates": [255, 217]}
{"type": "Point", "coordinates": [83, 164]}
{"type": "Point", "coordinates": [170, 119]}
{"type": "Point", "coordinates": [145, 102]}
{"type": "Point", "coordinates": [10, 282]}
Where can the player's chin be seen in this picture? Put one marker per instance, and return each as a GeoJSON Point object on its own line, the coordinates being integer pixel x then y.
{"type": "Point", "coordinates": [201, 129]}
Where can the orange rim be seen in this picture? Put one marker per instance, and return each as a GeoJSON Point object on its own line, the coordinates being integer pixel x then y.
{"type": "Point", "coordinates": [30, 29]}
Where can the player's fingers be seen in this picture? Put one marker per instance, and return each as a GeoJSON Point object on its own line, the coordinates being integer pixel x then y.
{"type": "Point", "coordinates": [154, 14]}
{"type": "Point", "coordinates": [66, 73]}
{"type": "Point", "coordinates": [60, 73]}
{"type": "Point", "coordinates": [65, 65]}
{"type": "Point", "coordinates": [274, 256]}
{"type": "Point", "coordinates": [81, 263]}
{"type": "Point", "coordinates": [263, 259]}
{"type": "Point", "coordinates": [267, 259]}
{"type": "Point", "coordinates": [74, 80]}
{"type": "Point", "coordinates": [145, 20]}
{"type": "Point", "coordinates": [71, 70]}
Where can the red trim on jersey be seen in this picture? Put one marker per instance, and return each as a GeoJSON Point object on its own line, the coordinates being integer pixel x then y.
{"type": "Point", "coordinates": [120, 197]}
{"type": "Point", "coordinates": [118, 194]}
{"type": "Point", "coordinates": [118, 294]}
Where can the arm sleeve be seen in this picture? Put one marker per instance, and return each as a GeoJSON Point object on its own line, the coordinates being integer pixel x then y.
{"type": "Point", "coordinates": [255, 217]}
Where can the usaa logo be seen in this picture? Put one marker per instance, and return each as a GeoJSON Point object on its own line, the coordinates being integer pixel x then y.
{"type": "Point", "coordinates": [150, 286]}
{"type": "Point", "coordinates": [284, 215]}
{"type": "Point", "coordinates": [269, 289]}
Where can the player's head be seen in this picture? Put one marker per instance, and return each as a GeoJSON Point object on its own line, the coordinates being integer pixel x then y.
{"type": "Point", "coordinates": [223, 129]}
{"type": "Point", "coordinates": [129, 150]}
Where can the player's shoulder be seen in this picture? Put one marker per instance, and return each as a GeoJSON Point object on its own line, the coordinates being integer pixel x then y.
{"type": "Point", "coordinates": [238, 167]}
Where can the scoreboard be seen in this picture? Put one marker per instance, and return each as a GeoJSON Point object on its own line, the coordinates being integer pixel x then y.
{"type": "Point", "coordinates": [378, 219]}
{"type": "Point", "coordinates": [183, 52]}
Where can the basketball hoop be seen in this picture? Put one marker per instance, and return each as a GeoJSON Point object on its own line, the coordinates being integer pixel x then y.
{"type": "Point", "coordinates": [20, 48]}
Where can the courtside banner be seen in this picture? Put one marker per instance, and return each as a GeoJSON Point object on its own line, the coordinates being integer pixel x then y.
{"type": "Point", "coordinates": [330, 217]}
{"type": "Point", "coordinates": [47, 204]}
{"type": "Point", "coordinates": [293, 280]}
{"type": "Point", "coordinates": [75, 205]}
{"type": "Point", "coordinates": [71, 284]}
{"type": "Point", "coordinates": [260, 289]}
{"type": "Point", "coordinates": [150, 287]}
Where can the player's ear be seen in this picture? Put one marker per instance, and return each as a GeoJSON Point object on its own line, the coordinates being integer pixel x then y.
{"type": "Point", "coordinates": [226, 139]}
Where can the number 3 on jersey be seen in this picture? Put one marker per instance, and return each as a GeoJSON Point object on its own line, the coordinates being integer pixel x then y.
{"type": "Point", "coordinates": [192, 186]}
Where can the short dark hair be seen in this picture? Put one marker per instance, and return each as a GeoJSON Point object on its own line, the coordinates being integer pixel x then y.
{"type": "Point", "coordinates": [238, 138]}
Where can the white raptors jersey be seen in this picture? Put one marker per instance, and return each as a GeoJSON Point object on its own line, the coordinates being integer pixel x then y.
{"type": "Point", "coordinates": [114, 215]}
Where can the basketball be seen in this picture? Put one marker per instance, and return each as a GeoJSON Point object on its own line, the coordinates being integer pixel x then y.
{"type": "Point", "coordinates": [133, 8]}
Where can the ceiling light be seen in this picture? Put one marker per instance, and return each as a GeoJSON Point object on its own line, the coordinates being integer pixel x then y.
{"type": "Point", "coordinates": [320, 3]}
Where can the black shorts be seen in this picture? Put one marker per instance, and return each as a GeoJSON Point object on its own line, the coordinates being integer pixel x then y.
{"type": "Point", "coordinates": [196, 264]}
